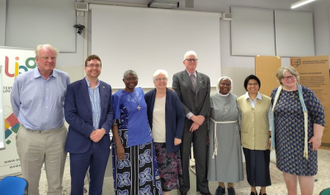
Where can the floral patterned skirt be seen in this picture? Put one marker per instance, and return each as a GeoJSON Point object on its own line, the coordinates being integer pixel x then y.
{"type": "Point", "coordinates": [138, 173]}
{"type": "Point", "coordinates": [169, 166]}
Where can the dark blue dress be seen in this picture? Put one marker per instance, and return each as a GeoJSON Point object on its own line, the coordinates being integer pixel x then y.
{"type": "Point", "coordinates": [289, 131]}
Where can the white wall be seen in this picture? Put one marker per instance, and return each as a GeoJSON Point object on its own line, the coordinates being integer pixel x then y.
{"type": "Point", "coordinates": [3, 6]}
{"type": "Point", "coordinates": [321, 27]}
{"type": "Point", "coordinates": [237, 67]}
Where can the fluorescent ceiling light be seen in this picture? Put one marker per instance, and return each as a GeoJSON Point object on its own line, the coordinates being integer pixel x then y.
{"type": "Point", "coordinates": [300, 3]}
{"type": "Point", "coordinates": [167, 4]}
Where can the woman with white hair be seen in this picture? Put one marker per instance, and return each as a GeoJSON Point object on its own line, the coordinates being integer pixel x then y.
{"type": "Point", "coordinates": [225, 152]}
{"type": "Point", "coordinates": [166, 119]}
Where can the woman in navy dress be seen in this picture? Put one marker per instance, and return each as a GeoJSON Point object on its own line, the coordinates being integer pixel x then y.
{"type": "Point", "coordinates": [296, 144]}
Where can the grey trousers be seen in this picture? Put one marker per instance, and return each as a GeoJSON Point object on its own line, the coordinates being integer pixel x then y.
{"type": "Point", "coordinates": [36, 148]}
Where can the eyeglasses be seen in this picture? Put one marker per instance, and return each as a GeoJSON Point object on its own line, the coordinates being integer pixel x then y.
{"type": "Point", "coordinates": [131, 79]}
{"type": "Point", "coordinates": [161, 79]}
{"type": "Point", "coordinates": [289, 77]}
{"type": "Point", "coordinates": [225, 84]}
{"type": "Point", "coordinates": [94, 66]}
{"type": "Point", "coordinates": [191, 59]}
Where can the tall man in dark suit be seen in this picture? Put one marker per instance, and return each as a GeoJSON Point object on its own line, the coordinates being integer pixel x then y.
{"type": "Point", "coordinates": [193, 89]}
{"type": "Point", "coordinates": [88, 110]}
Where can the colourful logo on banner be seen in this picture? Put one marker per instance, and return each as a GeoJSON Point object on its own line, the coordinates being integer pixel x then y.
{"type": "Point", "coordinates": [18, 68]}
{"type": "Point", "coordinates": [11, 126]}
{"type": "Point", "coordinates": [14, 65]}
{"type": "Point", "coordinates": [296, 62]}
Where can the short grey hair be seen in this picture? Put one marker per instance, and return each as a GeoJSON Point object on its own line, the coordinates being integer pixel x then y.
{"type": "Point", "coordinates": [189, 53]}
{"type": "Point", "coordinates": [281, 71]}
{"type": "Point", "coordinates": [45, 46]}
{"type": "Point", "coordinates": [127, 72]}
{"type": "Point", "coordinates": [158, 72]}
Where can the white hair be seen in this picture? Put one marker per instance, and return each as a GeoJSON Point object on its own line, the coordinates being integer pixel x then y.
{"type": "Point", "coordinates": [158, 72]}
{"type": "Point", "coordinates": [189, 53]}
{"type": "Point", "coordinates": [45, 46]}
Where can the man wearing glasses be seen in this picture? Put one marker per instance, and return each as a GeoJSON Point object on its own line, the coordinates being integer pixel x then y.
{"type": "Point", "coordinates": [88, 110]}
{"type": "Point", "coordinates": [193, 89]}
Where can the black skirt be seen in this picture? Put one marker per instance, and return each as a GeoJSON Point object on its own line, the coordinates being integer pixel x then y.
{"type": "Point", "coordinates": [257, 167]}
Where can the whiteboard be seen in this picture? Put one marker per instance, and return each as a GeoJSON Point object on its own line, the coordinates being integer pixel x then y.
{"type": "Point", "coordinates": [252, 31]}
{"type": "Point", "coordinates": [33, 22]}
{"type": "Point", "coordinates": [294, 33]}
{"type": "Point", "coordinates": [146, 39]}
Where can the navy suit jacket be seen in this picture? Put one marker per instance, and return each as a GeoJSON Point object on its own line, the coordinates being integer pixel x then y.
{"type": "Point", "coordinates": [78, 113]}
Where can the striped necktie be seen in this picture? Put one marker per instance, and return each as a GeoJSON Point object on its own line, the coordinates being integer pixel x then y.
{"type": "Point", "coordinates": [193, 80]}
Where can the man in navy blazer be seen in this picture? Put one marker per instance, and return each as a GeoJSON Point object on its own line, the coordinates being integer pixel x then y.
{"type": "Point", "coordinates": [88, 110]}
{"type": "Point", "coordinates": [193, 89]}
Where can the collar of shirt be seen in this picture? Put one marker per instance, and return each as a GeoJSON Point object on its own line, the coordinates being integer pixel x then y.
{"type": "Point", "coordinates": [37, 73]}
{"type": "Point", "coordinates": [195, 74]}
{"type": "Point", "coordinates": [258, 96]}
{"type": "Point", "coordinates": [89, 84]}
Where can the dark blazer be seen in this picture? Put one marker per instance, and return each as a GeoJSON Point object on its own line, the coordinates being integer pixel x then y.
{"type": "Point", "coordinates": [174, 117]}
{"type": "Point", "coordinates": [196, 102]}
{"type": "Point", "coordinates": [78, 113]}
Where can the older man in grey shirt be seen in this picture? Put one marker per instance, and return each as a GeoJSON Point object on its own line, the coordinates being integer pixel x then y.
{"type": "Point", "coordinates": [37, 100]}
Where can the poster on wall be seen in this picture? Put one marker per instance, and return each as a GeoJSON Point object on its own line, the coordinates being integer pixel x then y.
{"type": "Point", "coordinates": [13, 62]}
{"type": "Point", "coordinates": [265, 69]}
{"type": "Point", "coordinates": [314, 74]}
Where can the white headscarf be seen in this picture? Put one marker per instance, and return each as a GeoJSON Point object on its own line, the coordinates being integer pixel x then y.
{"type": "Point", "coordinates": [225, 78]}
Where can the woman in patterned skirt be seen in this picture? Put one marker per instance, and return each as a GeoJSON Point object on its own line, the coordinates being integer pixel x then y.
{"type": "Point", "coordinates": [297, 137]}
{"type": "Point", "coordinates": [166, 119]}
{"type": "Point", "coordinates": [134, 163]}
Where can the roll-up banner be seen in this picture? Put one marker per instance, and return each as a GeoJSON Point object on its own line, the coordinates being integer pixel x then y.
{"type": "Point", "coordinates": [13, 61]}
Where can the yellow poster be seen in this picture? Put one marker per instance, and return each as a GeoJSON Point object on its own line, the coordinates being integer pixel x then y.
{"type": "Point", "coordinates": [314, 74]}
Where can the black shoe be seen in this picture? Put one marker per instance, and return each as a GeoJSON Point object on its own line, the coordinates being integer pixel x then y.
{"type": "Point", "coordinates": [252, 193]}
{"type": "Point", "coordinates": [207, 193]}
{"type": "Point", "coordinates": [231, 191]}
{"type": "Point", "coordinates": [220, 190]}
{"type": "Point", "coordinates": [262, 194]}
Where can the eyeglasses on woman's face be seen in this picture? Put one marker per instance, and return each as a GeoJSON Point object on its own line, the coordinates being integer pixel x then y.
{"type": "Point", "coordinates": [161, 79]}
{"type": "Point", "coordinates": [289, 78]}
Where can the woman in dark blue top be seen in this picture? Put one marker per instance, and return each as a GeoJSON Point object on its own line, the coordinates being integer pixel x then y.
{"type": "Point", "coordinates": [166, 119]}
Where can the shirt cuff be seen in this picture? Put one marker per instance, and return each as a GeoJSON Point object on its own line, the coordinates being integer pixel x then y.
{"type": "Point", "coordinates": [189, 115]}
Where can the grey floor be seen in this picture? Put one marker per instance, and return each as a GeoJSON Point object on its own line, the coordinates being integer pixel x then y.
{"type": "Point", "coordinates": [277, 187]}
